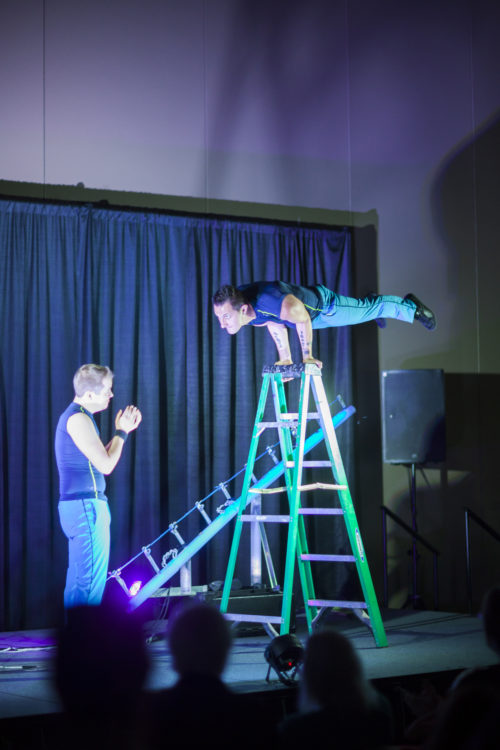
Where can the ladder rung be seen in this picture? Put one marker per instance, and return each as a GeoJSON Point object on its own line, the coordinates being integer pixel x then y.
{"type": "Point", "coordinates": [309, 464]}
{"type": "Point", "coordinates": [301, 488]}
{"type": "Point", "coordinates": [321, 486]}
{"type": "Point", "coordinates": [281, 423]}
{"type": "Point", "coordinates": [336, 603]}
{"type": "Point", "coordinates": [177, 591]}
{"type": "Point", "coordinates": [328, 558]}
{"type": "Point", "coordinates": [321, 511]}
{"type": "Point", "coordinates": [295, 415]}
{"type": "Point", "coordinates": [266, 491]}
{"type": "Point", "coordinates": [253, 518]}
{"type": "Point", "coordinates": [237, 617]}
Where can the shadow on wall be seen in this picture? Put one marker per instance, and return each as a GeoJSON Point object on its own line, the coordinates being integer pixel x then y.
{"type": "Point", "coordinates": [452, 193]}
{"type": "Point", "coordinates": [368, 494]}
{"type": "Point", "coordinates": [440, 520]}
{"type": "Point", "coordinates": [467, 479]}
{"type": "Point", "coordinates": [473, 406]}
{"type": "Point", "coordinates": [265, 74]}
{"type": "Point", "coordinates": [464, 207]}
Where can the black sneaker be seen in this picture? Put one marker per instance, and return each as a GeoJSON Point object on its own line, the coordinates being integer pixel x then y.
{"type": "Point", "coordinates": [423, 313]}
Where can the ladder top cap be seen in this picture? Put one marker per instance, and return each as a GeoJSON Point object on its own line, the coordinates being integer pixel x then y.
{"type": "Point", "coordinates": [291, 371]}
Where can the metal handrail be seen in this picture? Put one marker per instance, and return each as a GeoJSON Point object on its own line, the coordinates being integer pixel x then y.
{"type": "Point", "coordinates": [416, 537]}
{"type": "Point", "coordinates": [480, 522]}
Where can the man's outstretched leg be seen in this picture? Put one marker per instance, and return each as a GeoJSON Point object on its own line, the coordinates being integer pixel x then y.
{"type": "Point", "coordinates": [345, 311]}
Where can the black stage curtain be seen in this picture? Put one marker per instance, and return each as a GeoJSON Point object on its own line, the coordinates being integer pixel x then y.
{"type": "Point", "coordinates": [132, 290]}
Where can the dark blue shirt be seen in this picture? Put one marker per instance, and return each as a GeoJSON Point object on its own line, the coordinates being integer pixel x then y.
{"type": "Point", "coordinates": [78, 477]}
{"type": "Point", "coordinates": [266, 298]}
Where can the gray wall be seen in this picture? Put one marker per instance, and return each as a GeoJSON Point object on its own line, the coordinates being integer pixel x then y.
{"type": "Point", "coordinates": [354, 112]}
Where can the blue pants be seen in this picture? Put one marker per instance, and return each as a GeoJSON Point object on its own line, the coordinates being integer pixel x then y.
{"type": "Point", "coordinates": [86, 525]}
{"type": "Point", "coordinates": [348, 311]}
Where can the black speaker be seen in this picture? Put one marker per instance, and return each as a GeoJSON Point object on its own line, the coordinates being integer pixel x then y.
{"type": "Point", "coordinates": [413, 416]}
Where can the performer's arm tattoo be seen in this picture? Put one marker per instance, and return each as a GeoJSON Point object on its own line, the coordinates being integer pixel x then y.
{"type": "Point", "coordinates": [305, 341]}
{"type": "Point", "coordinates": [280, 338]}
{"type": "Point", "coordinates": [294, 311]}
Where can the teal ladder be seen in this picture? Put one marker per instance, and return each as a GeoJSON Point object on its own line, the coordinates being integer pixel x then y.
{"type": "Point", "coordinates": [293, 461]}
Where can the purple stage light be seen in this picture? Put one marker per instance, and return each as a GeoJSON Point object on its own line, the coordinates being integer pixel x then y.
{"type": "Point", "coordinates": [135, 587]}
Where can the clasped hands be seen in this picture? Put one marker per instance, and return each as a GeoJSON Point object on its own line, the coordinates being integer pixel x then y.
{"type": "Point", "coordinates": [128, 419]}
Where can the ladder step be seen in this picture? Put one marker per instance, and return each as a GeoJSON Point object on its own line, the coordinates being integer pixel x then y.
{"type": "Point", "coordinates": [309, 464]}
{"type": "Point", "coordinates": [301, 488]}
{"type": "Point", "coordinates": [253, 518]}
{"type": "Point", "coordinates": [294, 415]}
{"type": "Point", "coordinates": [328, 558]}
{"type": "Point", "coordinates": [321, 511]}
{"type": "Point", "coordinates": [321, 486]}
{"type": "Point", "coordinates": [177, 591]}
{"type": "Point", "coordinates": [287, 420]}
{"type": "Point", "coordinates": [236, 617]}
{"type": "Point", "coordinates": [266, 491]}
{"type": "Point", "coordinates": [336, 603]}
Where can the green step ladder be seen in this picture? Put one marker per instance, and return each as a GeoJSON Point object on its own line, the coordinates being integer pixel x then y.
{"type": "Point", "coordinates": [293, 460]}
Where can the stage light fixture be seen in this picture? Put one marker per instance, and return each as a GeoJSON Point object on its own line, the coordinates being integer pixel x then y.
{"type": "Point", "coordinates": [284, 654]}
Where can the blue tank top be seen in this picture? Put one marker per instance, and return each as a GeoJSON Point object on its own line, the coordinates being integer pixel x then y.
{"type": "Point", "coordinates": [266, 298]}
{"type": "Point", "coordinates": [78, 478]}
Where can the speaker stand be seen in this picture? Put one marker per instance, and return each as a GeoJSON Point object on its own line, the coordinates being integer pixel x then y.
{"type": "Point", "coordinates": [413, 601]}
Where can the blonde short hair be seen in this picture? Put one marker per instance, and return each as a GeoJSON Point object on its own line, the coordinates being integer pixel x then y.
{"type": "Point", "coordinates": [90, 378]}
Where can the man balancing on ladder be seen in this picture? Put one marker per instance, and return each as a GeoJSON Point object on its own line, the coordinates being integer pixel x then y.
{"type": "Point", "coordinates": [279, 306]}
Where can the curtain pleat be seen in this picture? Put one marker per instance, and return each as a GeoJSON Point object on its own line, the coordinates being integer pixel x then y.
{"type": "Point", "coordinates": [133, 290]}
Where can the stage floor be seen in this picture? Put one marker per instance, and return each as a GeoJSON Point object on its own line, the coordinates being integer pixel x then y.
{"type": "Point", "coordinates": [420, 643]}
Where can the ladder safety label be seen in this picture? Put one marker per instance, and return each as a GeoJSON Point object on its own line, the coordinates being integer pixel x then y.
{"type": "Point", "coordinates": [360, 546]}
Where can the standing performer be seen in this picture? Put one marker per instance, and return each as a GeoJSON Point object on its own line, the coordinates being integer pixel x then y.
{"type": "Point", "coordinates": [82, 460]}
{"type": "Point", "coordinates": [279, 305]}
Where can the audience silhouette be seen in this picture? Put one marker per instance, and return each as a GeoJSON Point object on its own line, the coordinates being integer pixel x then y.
{"type": "Point", "coordinates": [490, 614]}
{"type": "Point", "coordinates": [100, 669]}
{"type": "Point", "coordinates": [468, 717]}
{"type": "Point", "coordinates": [102, 663]}
{"type": "Point", "coordinates": [200, 710]}
{"type": "Point", "coordinates": [337, 704]}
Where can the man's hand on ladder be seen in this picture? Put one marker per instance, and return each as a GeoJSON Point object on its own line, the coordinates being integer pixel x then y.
{"type": "Point", "coordinates": [306, 361]}
{"type": "Point", "coordinates": [284, 362]}
{"type": "Point", "coordinates": [312, 361]}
